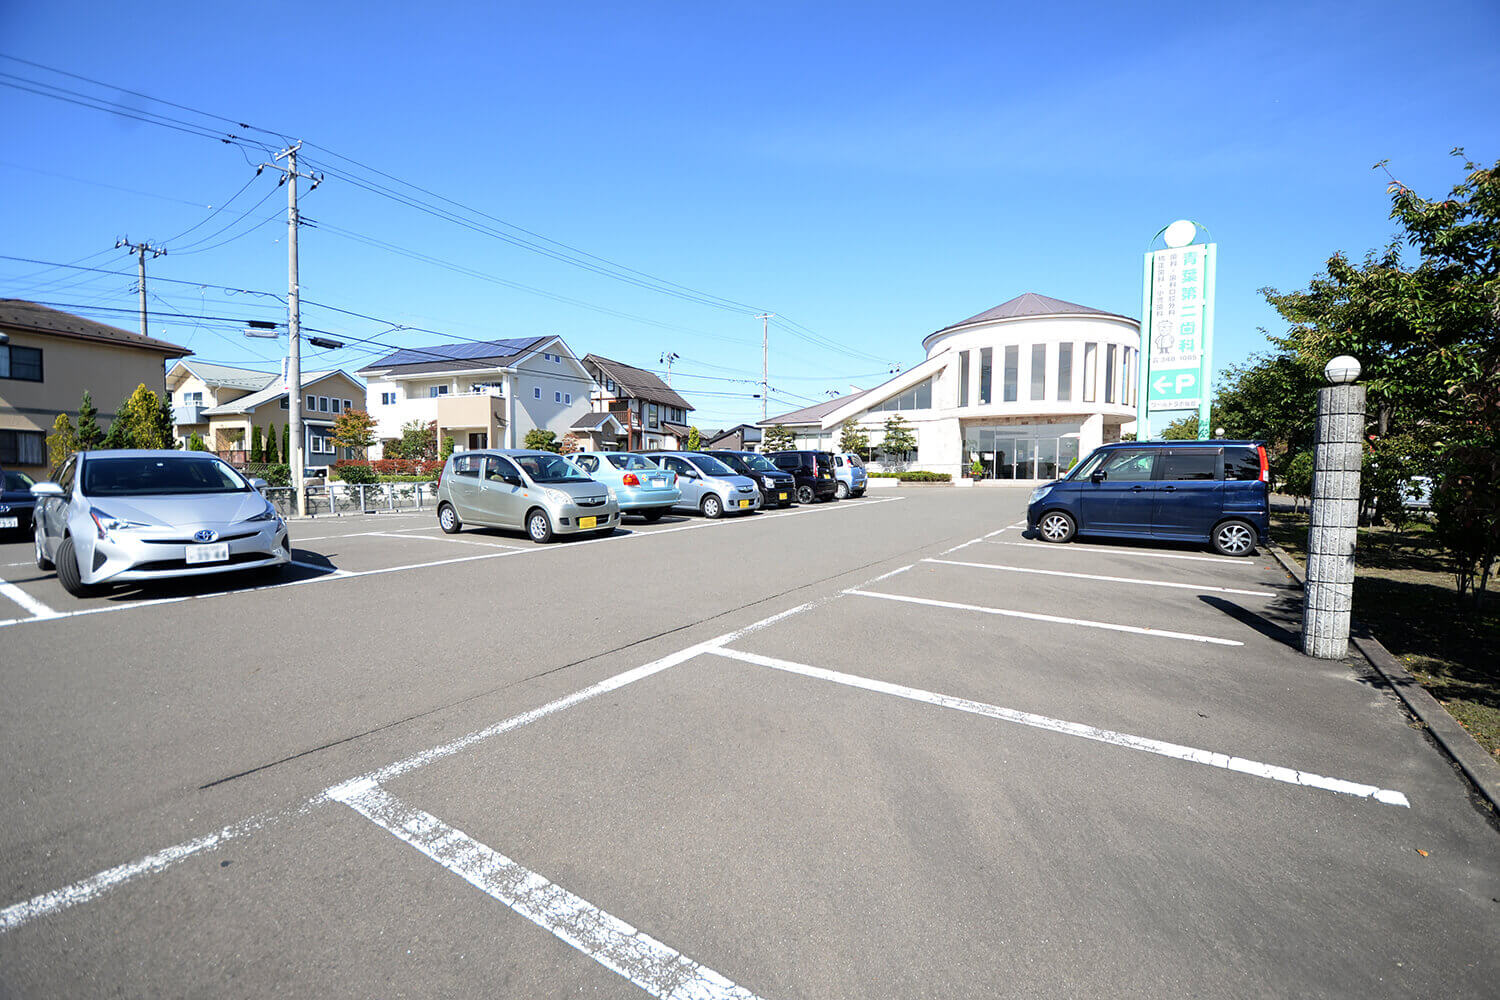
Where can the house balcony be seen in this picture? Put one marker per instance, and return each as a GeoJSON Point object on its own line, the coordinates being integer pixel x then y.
{"type": "Point", "coordinates": [189, 413]}
{"type": "Point", "coordinates": [482, 409]}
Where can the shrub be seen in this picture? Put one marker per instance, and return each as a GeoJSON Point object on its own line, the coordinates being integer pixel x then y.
{"type": "Point", "coordinates": [352, 472]}
{"type": "Point", "coordinates": [914, 476]}
{"type": "Point", "coordinates": [274, 473]}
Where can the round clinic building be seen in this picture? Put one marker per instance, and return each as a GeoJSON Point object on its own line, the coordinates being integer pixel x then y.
{"type": "Point", "coordinates": [1025, 389]}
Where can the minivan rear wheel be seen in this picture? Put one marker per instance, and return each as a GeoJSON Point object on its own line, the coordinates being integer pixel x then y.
{"type": "Point", "coordinates": [805, 494]}
{"type": "Point", "coordinates": [448, 519]}
{"type": "Point", "coordinates": [841, 490]}
{"type": "Point", "coordinates": [1234, 538]}
{"type": "Point", "coordinates": [1055, 526]}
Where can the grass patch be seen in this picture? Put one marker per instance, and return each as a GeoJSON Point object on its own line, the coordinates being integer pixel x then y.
{"type": "Point", "coordinates": [1404, 593]}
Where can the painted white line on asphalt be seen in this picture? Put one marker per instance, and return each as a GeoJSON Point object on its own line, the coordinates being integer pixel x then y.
{"type": "Point", "coordinates": [448, 538]}
{"type": "Point", "coordinates": [37, 608]}
{"type": "Point", "coordinates": [1200, 588]}
{"type": "Point", "coordinates": [887, 576]}
{"type": "Point", "coordinates": [621, 948]}
{"type": "Point", "coordinates": [961, 545]}
{"type": "Point", "coordinates": [1150, 553]}
{"type": "Point", "coordinates": [1032, 616]}
{"type": "Point", "coordinates": [1193, 755]}
{"type": "Point", "coordinates": [82, 891]}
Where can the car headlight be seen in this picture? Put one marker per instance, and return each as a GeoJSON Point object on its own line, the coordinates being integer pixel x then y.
{"type": "Point", "coordinates": [269, 514]}
{"type": "Point", "coordinates": [557, 496]}
{"type": "Point", "coordinates": [1038, 494]}
{"type": "Point", "coordinates": [105, 523]}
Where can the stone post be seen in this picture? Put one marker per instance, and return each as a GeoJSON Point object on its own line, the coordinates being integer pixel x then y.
{"type": "Point", "coordinates": [1337, 457]}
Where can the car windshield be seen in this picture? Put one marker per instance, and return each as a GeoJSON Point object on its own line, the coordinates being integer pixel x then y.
{"type": "Point", "coordinates": [759, 463]}
{"type": "Point", "coordinates": [19, 481]}
{"type": "Point", "coordinates": [632, 463]}
{"type": "Point", "coordinates": [551, 469]}
{"type": "Point", "coordinates": [1085, 469]}
{"type": "Point", "coordinates": [140, 477]}
{"type": "Point", "coordinates": [710, 466]}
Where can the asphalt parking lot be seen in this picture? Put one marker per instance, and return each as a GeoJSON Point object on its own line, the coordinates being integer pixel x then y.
{"type": "Point", "coordinates": [887, 747]}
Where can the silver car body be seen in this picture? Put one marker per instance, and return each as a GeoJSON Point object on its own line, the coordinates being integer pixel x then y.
{"type": "Point", "coordinates": [132, 516]}
{"type": "Point", "coordinates": [702, 476]}
{"type": "Point", "coordinates": [501, 487]}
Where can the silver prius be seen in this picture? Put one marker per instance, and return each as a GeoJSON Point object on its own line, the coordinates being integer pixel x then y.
{"type": "Point", "coordinates": [537, 491]}
{"type": "Point", "coordinates": [117, 516]}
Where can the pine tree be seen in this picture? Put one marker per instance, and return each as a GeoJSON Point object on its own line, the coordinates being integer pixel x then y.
{"type": "Point", "coordinates": [195, 442]}
{"type": "Point", "coordinates": [257, 447]}
{"type": "Point", "coordinates": [272, 456]}
{"type": "Point", "coordinates": [88, 434]}
{"type": "Point", "coordinates": [162, 428]}
{"type": "Point", "coordinates": [286, 444]}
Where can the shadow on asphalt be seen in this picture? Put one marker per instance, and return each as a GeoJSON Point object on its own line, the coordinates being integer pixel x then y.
{"type": "Point", "coordinates": [1283, 623]}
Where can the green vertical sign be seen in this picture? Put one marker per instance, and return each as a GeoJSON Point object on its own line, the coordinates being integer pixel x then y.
{"type": "Point", "coordinates": [1176, 337]}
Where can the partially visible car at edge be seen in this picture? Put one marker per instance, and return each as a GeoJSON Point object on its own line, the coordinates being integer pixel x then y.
{"type": "Point", "coordinates": [16, 501]}
{"type": "Point", "coordinates": [636, 483]}
{"type": "Point", "coordinates": [1192, 491]}
{"type": "Point", "coordinates": [539, 492]}
{"type": "Point", "coordinates": [118, 516]}
{"type": "Point", "coordinates": [776, 486]}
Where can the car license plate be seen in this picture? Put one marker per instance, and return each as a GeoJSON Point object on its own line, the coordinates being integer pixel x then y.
{"type": "Point", "coordinates": [10, 522]}
{"type": "Point", "coordinates": [587, 522]}
{"type": "Point", "coordinates": [781, 496]}
{"type": "Point", "coordinates": [746, 503]}
{"type": "Point", "coordinates": [659, 481]}
{"type": "Point", "coordinates": [207, 553]}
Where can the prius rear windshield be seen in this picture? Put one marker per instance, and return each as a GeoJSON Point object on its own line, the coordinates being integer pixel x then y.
{"type": "Point", "coordinates": [141, 477]}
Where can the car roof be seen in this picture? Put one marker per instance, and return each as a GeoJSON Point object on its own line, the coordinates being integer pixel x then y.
{"type": "Point", "coordinates": [147, 453]}
{"type": "Point", "coordinates": [1190, 443]}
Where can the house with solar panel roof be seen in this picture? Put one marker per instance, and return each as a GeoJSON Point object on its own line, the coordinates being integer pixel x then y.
{"type": "Point", "coordinates": [486, 394]}
{"type": "Point", "coordinates": [1023, 389]}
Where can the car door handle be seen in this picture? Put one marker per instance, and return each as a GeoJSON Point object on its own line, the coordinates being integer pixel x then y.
{"type": "Point", "coordinates": [1169, 489]}
{"type": "Point", "coordinates": [1137, 489]}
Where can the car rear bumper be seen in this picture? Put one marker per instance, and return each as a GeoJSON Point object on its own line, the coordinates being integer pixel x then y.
{"type": "Point", "coordinates": [645, 498]}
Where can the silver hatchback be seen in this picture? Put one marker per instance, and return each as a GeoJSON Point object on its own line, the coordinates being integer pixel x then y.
{"type": "Point", "coordinates": [708, 486]}
{"type": "Point", "coordinates": [116, 516]}
{"type": "Point", "coordinates": [538, 492]}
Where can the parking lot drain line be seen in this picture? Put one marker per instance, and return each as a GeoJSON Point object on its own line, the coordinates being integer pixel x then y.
{"type": "Point", "coordinates": [25, 600]}
{"type": "Point", "coordinates": [1152, 553]}
{"type": "Point", "coordinates": [1193, 755]}
{"type": "Point", "coordinates": [1055, 619]}
{"type": "Point", "coordinates": [1200, 588]}
{"type": "Point", "coordinates": [660, 970]}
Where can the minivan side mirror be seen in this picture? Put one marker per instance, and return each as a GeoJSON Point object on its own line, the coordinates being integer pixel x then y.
{"type": "Point", "coordinates": [1098, 477]}
{"type": "Point", "coordinates": [46, 490]}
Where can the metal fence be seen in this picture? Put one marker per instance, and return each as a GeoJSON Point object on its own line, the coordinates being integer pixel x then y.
{"type": "Point", "coordinates": [350, 498]}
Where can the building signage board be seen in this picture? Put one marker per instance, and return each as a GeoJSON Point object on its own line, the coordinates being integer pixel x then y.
{"type": "Point", "coordinates": [1177, 336]}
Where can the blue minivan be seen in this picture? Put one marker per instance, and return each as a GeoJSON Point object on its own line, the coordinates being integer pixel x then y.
{"type": "Point", "coordinates": [1185, 491]}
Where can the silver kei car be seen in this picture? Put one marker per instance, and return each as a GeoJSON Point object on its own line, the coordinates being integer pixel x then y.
{"type": "Point", "coordinates": [709, 487]}
{"type": "Point", "coordinates": [537, 491]}
{"type": "Point", "coordinates": [117, 516]}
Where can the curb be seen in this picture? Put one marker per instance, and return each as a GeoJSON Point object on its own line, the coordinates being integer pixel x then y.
{"type": "Point", "coordinates": [1471, 758]}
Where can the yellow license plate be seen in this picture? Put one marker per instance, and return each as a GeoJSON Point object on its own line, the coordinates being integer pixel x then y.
{"type": "Point", "coordinates": [745, 503]}
{"type": "Point", "coordinates": [782, 497]}
{"type": "Point", "coordinates": [587, 522]}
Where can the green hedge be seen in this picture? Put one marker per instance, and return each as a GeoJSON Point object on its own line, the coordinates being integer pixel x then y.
{"type": "Point", "coordinates": [915, 476]}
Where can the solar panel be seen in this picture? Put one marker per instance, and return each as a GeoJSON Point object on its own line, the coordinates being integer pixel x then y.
{"type": "Point", "coordinates": [458, 352]}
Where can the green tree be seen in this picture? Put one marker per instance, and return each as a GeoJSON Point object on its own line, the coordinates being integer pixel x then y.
{"type": "Point", "coordinates": [899, 440]}
{"type": "Point", "coordinates": [163, 428]}
{"type": "Point", "coordinates": [89, 434]}
{"type": "Point", "coordinates": [1182, 429]}
{"type": "Point", "coordinates": [447, 448]}
{"type": "Point", "coordinates": [62, 442]}
{"type": "Point", "coordinates": [539, 439]}
{"type": "Point", "coordinates": [1296, 478]}
{"type": "Point", "coordinates": [695, 440]}
{"type": "Point", "coordinates": [779, 437]}
{"type": "Point", "coordinates": [195, 442]}
{"type": "Point", "coordinates": [257, 445]}
{"type": "Point", "coordinates": [272, 455]}
{"type": "Point", "coordinates": [138, 423]}
{"type": "Point", "coordinates": [286, 443]}
{"type": "Point", "coordinates": [354, 429]}
{"type": "Point", "coordinates": [853, 439]}
{"type": "Point", "coordinates": [418, 441]}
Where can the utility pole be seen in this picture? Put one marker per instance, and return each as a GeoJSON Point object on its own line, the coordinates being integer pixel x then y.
{"type": "Point", "coordinates": [667, 358]}
{"type": "Point", "coordinates": [295, 457]}
{"type": "Point", "coordinates": [765, 359]}
{"type": "Point", "coordinates": [140, 249]}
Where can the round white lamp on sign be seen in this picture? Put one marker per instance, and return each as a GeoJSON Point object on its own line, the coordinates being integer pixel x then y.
{"type": "Point", "coordinates": [1180, 233]}
{"type": "Point", "coordinates": [1342, 370]}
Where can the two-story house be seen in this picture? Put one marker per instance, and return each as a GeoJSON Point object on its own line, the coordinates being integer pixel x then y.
{"type": "Point", "coordinates": [195, 387]}
{"type": "Point", "coordinates": [648, 414]}
{"type": "Point", "coordinates": [49, 358]}
{"type": "Point", "coordinates": [480, 395]}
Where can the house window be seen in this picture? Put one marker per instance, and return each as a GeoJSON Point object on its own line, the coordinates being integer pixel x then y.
{"type": "Point", "coordinates": [21, 363]}
{"type": "Point", "coordinates": [609, 385]}
{"type": "Point", "coordinates": [1090, 371]}
{"type": "Point", "coordinates": [312, 403]}
{"type": "Point", "coordinates": [1064, 372]}
{"type": "Point", "coordinates": [23, 447]}
{"type": "Point", "coordinates": [651, 417]}
{"type": "Point", "coordinates": [536, 392]}
{"type": "Point", "coordinates": [557, 397]}
{"type": "Point", "coordinates": [434, 391]}
{"type": "Point", "coordinates": [1038, 371]}
{"type": "Point", "coordinates": [387, 399]}
{"type": "Point", "coordinates": [568, 398]}
{"type": "Point", "coordinates": [1012, 366]}
{"type": "Point", "coordinates": [192, 399]}
{"type": "Point", "coordinates": [986, 375]}
{"type": "Point", "coordinates": [286, 402]}
{"type": "Point", "coordinates": [963, 379]}
{"type": "Point", "coordinates": [322, 404]}
{"type": "Point", "coordinates": [335, 405]}
{"type": "Point", "coordinates": [348, 405]}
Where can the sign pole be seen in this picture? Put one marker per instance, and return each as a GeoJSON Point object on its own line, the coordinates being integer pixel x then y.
{"type": "Point", "coordinates": [1143, 395]}
{"type": "Point", "coordinates": [1205, 412]}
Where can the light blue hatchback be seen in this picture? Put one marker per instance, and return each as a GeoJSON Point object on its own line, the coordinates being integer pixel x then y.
{"type": "Point", "coordinates": [639, 485]}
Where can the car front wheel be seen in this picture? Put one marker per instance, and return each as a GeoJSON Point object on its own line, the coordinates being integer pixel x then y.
{"type": "Point", "coordinates": [712, 507]}
{"type": "Point", "coordinates": [68, 573]}
{"type": "Point", "coordinates": [1234, 538]}
{"type": "Point", "coordinates": [841, 490]}
{"type": "Point", "coordinates": [448, 519]}
{"type": "Point", "coordinates": [539, 527]}
{"type": "Point", "coordinates": [1055, 526]}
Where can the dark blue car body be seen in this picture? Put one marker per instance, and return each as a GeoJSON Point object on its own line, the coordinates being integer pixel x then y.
{"type": "Point", "coordinates": [16, 502]}
{"type": "Point", "coordinates": [1215, 492]}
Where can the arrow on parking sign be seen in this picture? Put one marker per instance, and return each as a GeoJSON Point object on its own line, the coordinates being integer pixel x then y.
{"type": "Point", "coordinates": [1177, 384]}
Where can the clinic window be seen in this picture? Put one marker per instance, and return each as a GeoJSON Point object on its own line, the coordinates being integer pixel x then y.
{"type": "Point", "coordinates": [1038, 371]}
{"type": "Point", "coordinates": [963, 379]}
{"type": "Point", "coordinates": [23, 364]}
{"type": "Point", "coordinates": [1012, 372]}
{"type": "Point", "coordinates": [1090, 371]}
{"type": "Point", "coordinates": [1064, 372]}
{"type": "Point", "coordinates": [1109, 375]}
{"type": "Point", "coordinates": [986, 375]}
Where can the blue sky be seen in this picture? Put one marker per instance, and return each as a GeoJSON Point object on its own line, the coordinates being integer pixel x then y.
{"type": "Point", "coordinates": [871, 172]}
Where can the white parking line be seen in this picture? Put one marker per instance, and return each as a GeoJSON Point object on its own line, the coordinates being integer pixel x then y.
{"type": "Point", "coordinates": [1033, 616]}
{"type": "Point", "coordinates": [46, 903]}
{"type": "Point", "coordinates": [1200, 588]}
{"type": "Point", "coordinates": [1150, 553]}
{"type": "Point", "coordinates": [621, 948]}
{"type": "Point", "coordinates": [446, 538]}
{"type": "Point", "coordinates": [1193, 755]}
{"type": "Point", "coordinates": [37, 608]}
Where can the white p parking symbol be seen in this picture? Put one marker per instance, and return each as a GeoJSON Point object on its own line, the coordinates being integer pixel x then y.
{"type": "Point", "coordinates": [1185, 381]}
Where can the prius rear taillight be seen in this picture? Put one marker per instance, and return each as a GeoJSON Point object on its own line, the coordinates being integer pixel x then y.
{"type": "Point", "coordinates": [631, 479]}
{"type": "Point", "coordinates": [1265, 465]}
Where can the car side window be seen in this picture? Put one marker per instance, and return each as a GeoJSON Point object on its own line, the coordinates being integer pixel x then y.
{"type": "Point", "coordinates": [1190, 463]}
{"type": "Point", "coordinates": [1129, 466]}
{"type": "Point", "coordinates": [1241, 464]}
{"type": "Point", "coordinates": [497, 468]}
{"type": "Point", "coordinates": [65, 477]}
{"type": "Point", "coordinates": [787, 462]}
{"type": "Point", "coordinates": [588, 463]}
{"type": "Point", "coordinates": [466, 465]}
